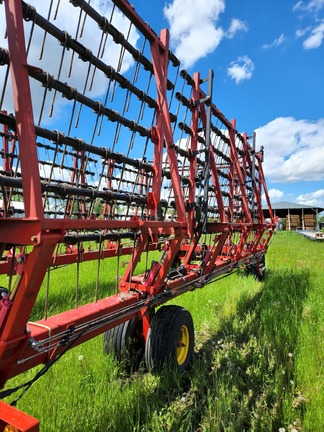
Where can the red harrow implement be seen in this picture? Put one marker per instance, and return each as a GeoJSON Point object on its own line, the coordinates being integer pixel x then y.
{"type": "Point", "coordinates": [160, 177]}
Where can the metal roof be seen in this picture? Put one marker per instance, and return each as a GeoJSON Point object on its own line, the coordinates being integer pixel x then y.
{"type": "Point", "coordinates": [282, 206]}
{"type": "Point", "coordinates": [290, 206]}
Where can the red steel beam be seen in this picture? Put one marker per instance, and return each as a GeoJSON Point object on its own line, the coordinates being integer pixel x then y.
{"type": "Point", "coordinates": [139, 23]}
{"type": "Point", "coordinates": [22, 422]}
{"type": "Point", "coordinates": [160, 66]}
{"type": "Point", "coordinates": [65, 326]}
{"type": "Point", "coordinates": [24, 111]}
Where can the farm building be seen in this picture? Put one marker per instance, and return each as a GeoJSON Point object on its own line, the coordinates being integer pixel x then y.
{"type": "Point", "coordinates": [296, 216]}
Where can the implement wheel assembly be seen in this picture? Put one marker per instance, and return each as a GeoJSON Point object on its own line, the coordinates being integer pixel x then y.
{"type": "Point", "coordinates": [170, 338]}
{"type": "Point", "coordinates": [126, 342]}
{"type": "Point", "coordinates": [257, 269]}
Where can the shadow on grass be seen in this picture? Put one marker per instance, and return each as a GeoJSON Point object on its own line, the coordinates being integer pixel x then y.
{"type": "Point", "coordinates": [243, 374]}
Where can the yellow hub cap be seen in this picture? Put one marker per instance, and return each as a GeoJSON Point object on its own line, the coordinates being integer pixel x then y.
{"type": "Point", "coordinates": [183, 345]}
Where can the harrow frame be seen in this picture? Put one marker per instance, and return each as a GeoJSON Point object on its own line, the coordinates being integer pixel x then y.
{"type": "Point", "coordinates": [209, 223]}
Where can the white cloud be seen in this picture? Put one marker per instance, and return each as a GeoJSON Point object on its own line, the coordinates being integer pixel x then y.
{"type": "Point", "coordinates": [316, 37]}
{"type": "Point", "coordinates": [302, 31]}
{"type": "Point", "coordinates": [193, 27]}
{"type": "Point", "coordinates": [278, 41]}
{"type": "Point", "coordinates": [294, 149]}
{"type": "Point", "coordinates": [315, 5]}
{"type": "Point", "coordinates": [311, 6]}
{"type": "Point", "coordinates": [275, 194]}
{"type": "Point", "coordinates": [316, 31]}
{"type": "Point", "coordinates": [236, 25]}
{"type": "Point", "coordinates": [297, 6]}
{"type": "Point", "coordinates": [312, 198]}
{"type": "Point", "coordinates": [241, 69]}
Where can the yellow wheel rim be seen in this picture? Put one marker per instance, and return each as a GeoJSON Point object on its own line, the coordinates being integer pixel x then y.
{"type": "Point", "coordinates": [183, 345]}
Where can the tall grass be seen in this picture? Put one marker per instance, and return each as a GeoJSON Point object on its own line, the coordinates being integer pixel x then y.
{"type": "Point", "coordinates": [258, 363]}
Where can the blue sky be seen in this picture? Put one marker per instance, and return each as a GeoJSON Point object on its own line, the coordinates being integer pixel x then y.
{"type": "Point", "coordinates": [268, 59]}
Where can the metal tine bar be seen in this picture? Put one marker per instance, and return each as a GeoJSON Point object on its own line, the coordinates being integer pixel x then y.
{"type": "Point", "coordinates": [127, 101]}
{"type": "Point", "coordinates": [121, 58]}
{"type": "Point", "coordinates": [83, 24]}
{"type": "Point", "coordinates": [131, 146]}
{"type": "Point", "coordinates": [68, 42]}
{"type": "Point", "coordinates": [71, 93]}
{"type": "Point", "coordinates": [68, 132]}
{"type": "Point", "coordinates": [138, 63]}
{"type": "Point", "coordinates": [63, 190]}
{"type": "Point", "coordinates": [76, 37]}
{"type": "Point", "coordinates": [69, 208]}
{"type": "Point", "coordinates": [42, 106]}
{"type": "Point", "coordinates": [77, 276]}
{"type": "Point", "coordinates": [88, 73]}
{"type": "Point", "coordinates": [98, 270]}
{"type": "Point", "coordinates": [4, 87]}
{"type": "Point", "coordinates": [135, 77]}
{"type": "Point", "coordinates": [181, 134]}
{"type": "Point", "coordinates": [123, 49]}
{"type": "Point", "coordinates": [72, 169]}
{"type": "Point", "coordinates": [45, 32]}
{"type": "Point", "coordinates": [65, 44]}
{"type": "Point", "coordinates": [121, 54]}
{"type": "Point", "coordinates": [103, 27]}
{"type": "Point", "coordinates": [47, 292]}
{"type": "Point", "coordinates": [184, 160]}
{"type": "Point", "coordinates": [137, 184]}
{"type": "Point", "coordinates": [147, 91]}
{"type": "Point", "coordinates": [98, 55]}
{"type": "Point", "coordinates": [125, 109]}
{"type": "Point", "coordinates": [78, 144]}
{"type": "Point", "coordinates": [51, 173]}
{"type": "Point", "coordinates": [53, 149]}
{"type": "Point", "coordinates": [84, 172]}
{"type": "Point", "coordinates": [84, 91]}
{"type": "Point", "coordinates": [105, 103]}
{"type": "Point", "coordinates": [57, 9]}
{"type": "Point", "coordinates": [91, 208]}
{"type": "Point", "coordinates": [107, 27]}
{"type": "Point", "coordinates": [179, 105]}
{"type": "Point", "coordinates": [118, 265]}
{"type": "Point", "coordinates": [116, 136]}
{"type": "Point", "coordinates": [12, 151]}
{"type": "Point", "coordinates": [175, 84]}
{"type": "Point", "coordinates": [31, 17]}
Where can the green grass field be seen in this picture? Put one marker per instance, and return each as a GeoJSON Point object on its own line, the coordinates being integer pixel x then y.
{"type": "Point", "coordinates": [258, 363]}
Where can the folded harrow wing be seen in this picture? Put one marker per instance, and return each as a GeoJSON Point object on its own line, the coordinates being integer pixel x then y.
{"type": "Point", "coordinates": [112, 153]}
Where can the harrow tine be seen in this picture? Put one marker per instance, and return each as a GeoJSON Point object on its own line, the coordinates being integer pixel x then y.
{"type": "Point", "coordinates": [45, 32]}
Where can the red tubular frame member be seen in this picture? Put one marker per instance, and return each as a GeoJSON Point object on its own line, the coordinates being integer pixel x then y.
{"type": "Point", "coordinates": [22, 344]}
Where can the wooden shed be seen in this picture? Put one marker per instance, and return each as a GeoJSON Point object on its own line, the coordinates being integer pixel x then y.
{"type": "Point", "coordinates": [297, 216]}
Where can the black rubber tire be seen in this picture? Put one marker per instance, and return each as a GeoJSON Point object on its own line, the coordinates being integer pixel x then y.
{"type": "Point", "coordinates": [162, 342]}
{"type": "Point", "coordinates": [126, 343]}
{"type": "Point", "coordinates": [258, 269]}
{"type": "Point", "coordinates": [261, 269]}
{"type": "Point", "coordinates": [3, 292]}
